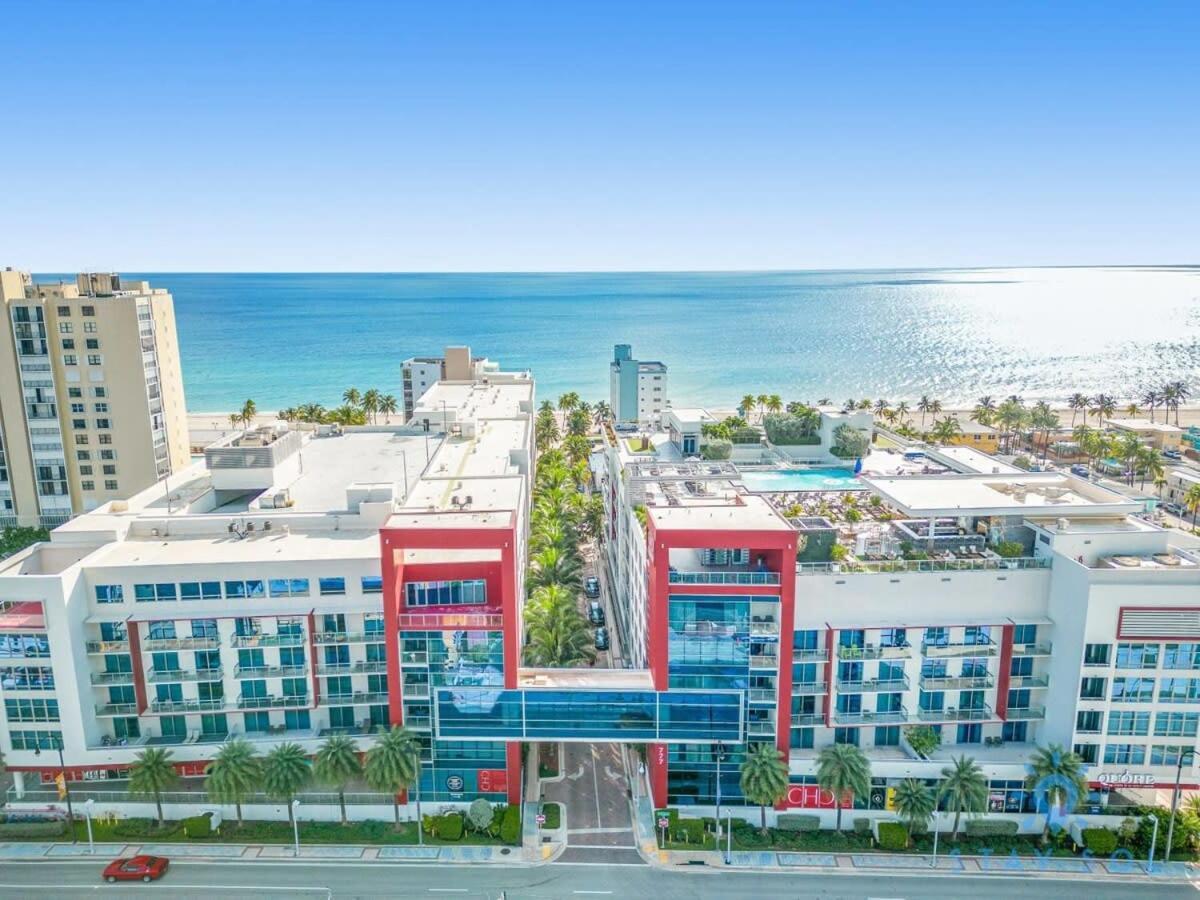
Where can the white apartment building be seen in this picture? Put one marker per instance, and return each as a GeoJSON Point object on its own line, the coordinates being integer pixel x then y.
{"type": "Point", "coordinates": [420, 373]}
{"type": "Point", "coordinates": [91, 394]}
{"type": "Point", "coordinates": [637, 388]}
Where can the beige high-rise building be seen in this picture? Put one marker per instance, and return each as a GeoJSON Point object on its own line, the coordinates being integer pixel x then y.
{"type": "Point", "coordinates": [91, 394]}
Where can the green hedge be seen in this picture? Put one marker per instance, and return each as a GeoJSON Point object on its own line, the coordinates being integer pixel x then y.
{"type": "Point", "coordinates": [991, 827]}
{"type": "Point", "coordinates": [553, 814]}
{"type": "Point", "coordinates": [797, 822]}
{"type": "Point", "coordinates": [450, 827]}
{"type": "Point", "coordinates": [53, 828]}
{"type": "Point", "coordinates": [510, 825]}
{"type": "Point", "coordinates": [893, 836]}
{"type": "Point", "coordinates": [1100, 841]}
{"type": "Point", "coordinates": [198, 826]}
{"type": "Point", "coordinates": [717, 448]}
{"type": "Point", "coordinates": [862, 826]}
{"type": "Point", "coordinates": [688, 831]}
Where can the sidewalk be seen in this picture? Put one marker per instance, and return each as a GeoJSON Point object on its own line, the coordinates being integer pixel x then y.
{"type": "Point", "coordinates": [950, 864]}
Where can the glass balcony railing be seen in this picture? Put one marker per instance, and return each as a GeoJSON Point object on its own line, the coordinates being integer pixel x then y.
{"type": "Point", "coordinates": [875, 651]}
{"type": "Point", "coordinates": [1029, 681]}
{"type": "Point", "coordinates": [1025, 713]}
{"type": "Point", "coordinates": [186, 706]}
{"type": "Point", "coordinates": [760, 695]}
{"type": "Point", "coordinates": [806, 720]}
{"type": "Point", "coordinates": [348, 637]}
{"type": "Point", "coordinates": [108, 646]}
{"type": "Point", "coordinates": [117, 709]}
{"type": "Point", "coordinates": [960, 648]}
{"type": "Point", "coordinates": [356, 699]}
{"type": "Point", "coordinates": [270, 671]}
{"type": "Point", "coordinates": [809, 687]}
{"type": "Point", "coordinates": [1043, 649]}
{"type": "Point", "coordinates": [112, 678]}
{"type": "Point", "coordinates": [718, 577]}
{"type": "Point", "coordinates": [761, 728]}
{"type": "Point", "coordinates": [870, 717]}
{"type": "Point", "coordinates": [356, 668]}
{"type": "Point", "coordinates": [865, 685]}
{"type": "Point", "coordinates": [267, 640]}
{"type": "Point", "coordinates": [150, 645]}
{"type": "Point", "coordinates": [855, 567]}
{"type": "Point", "coordinates": [955, 715]}
{"type": "Point", "coordinates": [164, 676]}
{"type": "Point", "coordinates": [764, 661]}
{"type": "Point", "coordinates": [955, 682]}
{"type": "Point", "coordinates": [289, 702]}
{"type": "Point", "coordinates": [815, 655]}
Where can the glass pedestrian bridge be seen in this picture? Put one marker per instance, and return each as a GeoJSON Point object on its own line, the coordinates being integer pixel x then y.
{"type": "Point", "coordinates": [584, 714]}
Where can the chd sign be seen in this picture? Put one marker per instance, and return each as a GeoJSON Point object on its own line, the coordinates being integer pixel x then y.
{"type": "Point", "coordinates": [809, 796]}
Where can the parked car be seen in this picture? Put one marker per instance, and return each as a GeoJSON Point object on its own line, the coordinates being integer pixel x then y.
{"type": "Point", "coordinates": [1081, 471]}
{"type": "Point", "coordinates": [1172, 454]}
{"type": "Point", "coordinates": [591, 586]}
{"type": "Point", "coordinates": [601, 638]}
{"type": "Point", "coordinates": [595, 613]}
{"type": "Point", "coordinates": [136, 868]}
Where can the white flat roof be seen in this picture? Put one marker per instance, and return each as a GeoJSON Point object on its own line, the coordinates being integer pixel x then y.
{"type": "Point", "coordinates": [753, 513]}
{"type": "Point", "coordinates": [474, 399]}
{"type": "Point", "coordinates": [1005, 494]}
{"type": "Point", "coordinates": [331, 464]}
{"type": "Point", "coordinates": [972, 460]}
{"type": "Point", "coordinates": [1144, 425]}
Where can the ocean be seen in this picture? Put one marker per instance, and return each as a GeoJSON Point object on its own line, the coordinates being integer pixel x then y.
{"type": "Point", "coordinates": [284, 339]}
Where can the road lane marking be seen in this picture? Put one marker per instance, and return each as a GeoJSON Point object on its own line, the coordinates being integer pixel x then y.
{"type": "Point", "coordinates": [591, 892]}
{"type": "Point", "coordinates": [447, 890]}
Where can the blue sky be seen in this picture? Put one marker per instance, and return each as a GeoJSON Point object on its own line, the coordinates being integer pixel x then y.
{"type": "Point", "coordinates": [520, 136]}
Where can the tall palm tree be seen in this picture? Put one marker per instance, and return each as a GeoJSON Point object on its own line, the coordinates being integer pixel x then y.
{"type": "Point", "coordinates": [152, 773]}
{"type": "Point", "coordinates": [578, 422]}
{"type": "Point", "coordinates": [775, 403]}
{"type": "Point", "coordinates": [1191, 502]}
{"type": "Point", "coordinates": [388, 406]}
{"type": "Point", "coordinates": [1078, 403]}
{"type": "Point", "coordinates": [287, 415]}
{"type": "Point", "coordinates": [843, 769]}
{"type": "Point", "coordinates": [902, 410]}
{"type": "Point", "coordinates": [234, 774]}
{"type": "Point", "coordinates": [1103, 407]}
{"type": "Point", "coordinates": [545, 408]}
{"type": "Point", "coordinates": [881, 406]}
{"type": "Point", "coordinates": [568, 401]}
{"type": "Point", "coordinates": [1056, 774]}
{"type": "Point", "coordinates": [545, 432]}
{"type": "Point", "coordinates": [915, 804]}
{"type": "Point", "coordinates": [764, 777]}
{"type": "Point", "coordinates": [964, 787]}
{"type": "Point", "coordinates": [553, 566]}
{"type": "Point", "coordinates": [601, 413]}
{"type": "Point", "coordinates": [393, 765]}
{"type": "Point", "coordinates": [985, 411]}
{"type": "Point", "coordinates": [285, 771]}
{"type": "Point", "coordinates": [559, 635]}
{"type": "Point", "coordinates": [1133, 410]}
{"type": "Point", "coordinates": [248, 412]}
{"type": "Point", "coordinates": [747, 405]}
{"type": "Point", "coordinates": [351, 396]}
{"type": "Point", "coordinates": [370, 403]}
{"type": "Point", "coordinates": [945, 430]}
{"type": "Point", "coordinates": [1149, 465]}
{"type": "Point", "coordinates": [1180, 392]}
{"type": "Point", "coordinates": [1150, 399]}
{"type": "Point", "coordinates": [762, 400]}
{"type": "Point", "coordinates": [924, 405]}
{"type": "Point", "coordinates": [335, 764]}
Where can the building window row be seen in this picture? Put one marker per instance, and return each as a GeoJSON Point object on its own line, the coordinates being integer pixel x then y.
{"type": "Point", "coordinates": [471, 592]}
{"type": "Point", "coordinates": [1143, 656]}
{"type": "Point", "coordinates": [31, 710]}
{"type": "Point", "coordinates": [232, 590]}
{"type": "Point", "coordinates": [27, 678]}
{"type": "Point", "coordinates": [1136, 755]}
{"type": "Point", "coordinates": [35, 740]}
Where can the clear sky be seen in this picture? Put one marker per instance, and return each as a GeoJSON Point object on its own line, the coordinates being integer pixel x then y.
{"type": "Point", "coordinates": [607, 135]}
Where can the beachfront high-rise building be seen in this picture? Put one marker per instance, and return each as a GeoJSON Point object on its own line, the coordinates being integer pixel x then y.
{"type": "Point", "coordinates": [91, 394]}
{"type": "Point", "coordinates": [420, 373]}
{"type": "Point", "coordinates": [637, 388]}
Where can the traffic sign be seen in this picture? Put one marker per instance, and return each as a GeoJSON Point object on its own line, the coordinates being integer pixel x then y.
{"type": "Point", "coordinates": [541, 818]}
{"type": "Point", "coordinates": [664, 822]}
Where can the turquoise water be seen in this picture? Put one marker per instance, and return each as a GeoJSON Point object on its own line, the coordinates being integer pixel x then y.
{"type": "Point", "coordinates": [284, 339]}
{"type": "Point", "coordinates": [831, 479]}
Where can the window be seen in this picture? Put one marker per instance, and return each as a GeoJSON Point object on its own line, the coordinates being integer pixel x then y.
{"type": "Point", "coordinates": [64, 311]}
{"type": "Point", "coordinates": [110, 484]}
{"type": "Point", "coordinates": [1181, 656]}
{"type": "Point", "coordinates": [1129, 723]}
{"type": "Point", "coordinates": [107, 454]}
{"type": "Point", "coordinates": [448, 593]}
{"type": "Point", "coordinates": [92, 343]}
{"type": "Point", "coordinates": [109, 469]}
{"type": "Point", "coordinates": [99, 392]}
{"type": "Point", "coordinates": [35, 740]}
{"type": "Point", "coordinates": [937, 637]}
{"type": "Point", "coordinates": [205, 627]}
{"type": "Point", "coordinates": [1132, 690]}
{"type": "Point", "coordinates": [69, 359]}
{"type": "Point", "coordinates": [88, 310]}
{"type": "Point", "coordinates": [1092, 688]}
{"type": "Point", "coordinates": [161, 631]}
{"type": "Point", "coordinates": [79, 424]}
{"type": "Point", "coordinates": [1096, 654]}
{"type": "Point", "coordinates": [1025, 634]}
{"type": "Point", "coordinates": [331, 587]}
{"type": "Point", "coordinates": [78, 408]}
{"type": "Point", "coordinates": [89, 327]}
{"type": "Point", "coordinates": [845, 736]}
{"type": "Point", "coordinates": [81, 439]}
{"type": "Point", "coordinates": [1179, 690]}
{"type": "Point", "coordinates": [31, 710]}
{"type": "Point", "coordinates": [94, 359]}
{"type": "Point", "coordinates": [68, 343]}
{"type": "Point", "coordinates": [289, 587]}
{"type": "Point", "coordinates": [257, 722]}
{"type": "Point", "coordinates": [296, 719]}
{"type": "Point", "coordinates": [105, 439]}
{"type": "Point", "coordinates": [372, 584]}
{"type": "Point", "coordinates": [151, 593]}
{"type": "Point", "coordinates": [1089, 721]}
{"type": "Point", "coordinates": [1017, 732]}
{"type": "Point", "coordinates": [237, 590]}
{"type": "Point", "coordinates": [1137, 656]}
{"type": "Point", "coordinates": [887, 737]}
{"type": "Point", "coordinates": [200, 590]}
{"type": "Point", "coordinates": [104, 423]}
{"type": "Point", "coordinates": [110, 593]}
{"type": "Point", "coordinates": [1168, 754]}
{"type": "Point", "coordinates": [65, 327]}
{"type": "Point", "coordinates": [1176, 724]}
{"type": "Point", "coordinates": [969, 733]}
{"type": "Point", "coordinates": [83, 455]}
{"type": "Point", "coordinates": [291, 657]}
{"type": "Point", "coordinates": [1088, 753]}
{"type": "Point", "coordinates": [1125, 754]}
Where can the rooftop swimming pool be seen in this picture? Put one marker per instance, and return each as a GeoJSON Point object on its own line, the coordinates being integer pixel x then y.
{"type": "Point", "coordinates": [830, 479]}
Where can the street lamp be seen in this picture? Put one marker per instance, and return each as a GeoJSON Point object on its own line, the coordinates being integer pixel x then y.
{"type": "Point", "coordinates": [417, 791]}
{"type": "Point", "coordinates": [66, 786]}
{"type": "Point", "coordinates": [296, 828]}
{"type": "Point", "coordinates": [87, 811]}
{"type": "Point", "coordinates": [720, 754]}
{"type": "Point", "coordinates": [1187, 754]}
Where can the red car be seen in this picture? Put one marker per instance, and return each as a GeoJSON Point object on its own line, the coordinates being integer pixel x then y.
{"type": "Point", "coordinates": [136, 868]}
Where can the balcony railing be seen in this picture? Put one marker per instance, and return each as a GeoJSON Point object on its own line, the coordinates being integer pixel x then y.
{"type": "Point", "coordinates": [760, 695]}
{"type": "Point", "coordinates": [348, 637]}
{"type": "Point", "coordinates": [356, 699]}
{"type": "Point", "coordinates": [1042, 649]}
{"type": "Point", "coordinates": [269, 671]}
{"type": "Point", "coordinates": [267, 640]}
{"type": "Point", "coordinates": [818, 655]}
{"type": "Point", "coordinates": [116, 709]}
{"type": "Point", "coordinates": [764, 661]}
{"type": "Point", "coordinates": [764, 629]}
{"type": "Point", "coordinates": [761, 728]}
{"type": "Point", "coordinates": [761, 577]}
{"type": "Point", "coordinates": [955, 715]}
{"type": "Point", "coordinates": [1025, 713]}
{"type": "Point", "coordinates": [186, 706]}
{"type": "Point", "coordinates": [356, 668]}
{"type": "Point", "coordinates": [802, 720]}
{"type": "Point", "coordinates": [180, 643]}
{"type": "Point", "coordinates": [809, 687]}
{"type": "Point", "coordinates": [245, 702]}
{"type": "Point", "coordinates": [864, 685]}
{"type": "Point", "coordinates": [855, 567]}
{"type": "Point", "coordinates": [955, 682]}
{"type": "Point", "coordinates": [160, 676]}
{"type": "Point", "coordinates": [1029, 681]}
{"type": "Point", "coordinates": [108, 646]}
{"type": "Point", "coordinates": [960, 648]}
{"type": "Point", "coordinates": [868, 716]}
{"type": "Point", "coordinates": [439, 621]}
{"type": "Point", "coordinates": [112, 678]}
{"type": "Point", "coordinates": [873, 651]}
{"type": "Point", "coordinates": [416, 690]}
{"type": "Point", "coordinates": [414, 658]}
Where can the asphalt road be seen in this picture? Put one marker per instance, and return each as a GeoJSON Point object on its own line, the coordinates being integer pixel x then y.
{"type": "Point", "coordinates": [259, 880]}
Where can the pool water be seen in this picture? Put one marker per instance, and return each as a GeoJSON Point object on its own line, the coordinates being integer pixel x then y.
{"type": "Point", "coordinates": [831, 479]}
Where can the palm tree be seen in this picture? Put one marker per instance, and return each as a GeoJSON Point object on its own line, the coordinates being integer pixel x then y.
{"type": "Point", "coordinates": [351, 396]}
{"type": "Point", "coordinates": [915, 803]}
{"type": "Point", "coordinates": [881, 406]}
{"type": "Point", "coordinates": [286, 770]}
{"type": "Point", "coordinates": [985, 411]}
{"type": "Point", "coordinates": [1132, 410]}
{"type": "Point", "coordinates": [1078, 403]}
{"type": "Point", "coordinates": [843, 769]}
{"type": "Point", "coordinates": [249, 410]}
{"type": "Point", "coordinates": [545, 408]}
{"type": "Point", "coordinates": [370, 403]}
{"type": "Point", "coordinates": [924, 405]}
{"type": "Point", "coordinates": [601, 413]}
{"type": "Point", "coordinates": [1180, 392]}
{"type": "Point", "coordinates": [545, 432]}
{"type": "Point", "coordinates": [578, 422]}
{"type": "Point", "coordinates": [747, 405]}
{"type": "Point", "coordinates": [553, 566]}
{"type": "Point", "coordinates": [235, 419]}
{"type": "Point", "coordinates": [388, 406]}
{"type": "Point", "coordinates": [287, 415]}
{"type": "Point", "coordinates": [335, 764]}
{"type": "Point", "coordinates": [1191, 502]}
{"type": "Point", "coordinates": [762, 400]}
{"type": "Point", "coordinates": [945, 430]}
{"type": "Point", "coordinates": [964, 788]}
{"type": "Point", "coordinates": [559, 635]}
{"type": "Point", "coordinates": [764, 777]}
{"type": "Point", "coordinates": [393, 765]}
{"type": "Point", "coordinates": [234, 774]}
{"type": "Point", "coordinates": [152, 773]}
{"type": "Point", "coordinates": [1150, 399]}
{"type": "Point", "coordinates": [1103, 406]}
{"type": "Point", "coordinates": [1056, 774]}
{"type": "Point", "coordinates": [775, 403]}
{"type": "Point", "coordinates": [568, 401]}
{"type": "Point", "coordinates": [1149, 465]}
{"type": "Point", "coordinates": [902, 411]}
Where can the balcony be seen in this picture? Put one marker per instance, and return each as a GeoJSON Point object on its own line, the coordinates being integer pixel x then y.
{"type": "Point", "coordinates": [108, 646]}
{"type": "Point", "coordinates": [1029, 681]}
{"type": "Point", "coordinates": [956, 682]}
{"type": "Point", "coordinates": [760, 695]}
{"type": "Point", "coordinates": [873, 651]}
{"type": "Point", "coordinates": [442, 621]}
{"type": "Point", "coordinates": [1043, 649]}
{"type": "Point", "coordinates": [348, 637]}
{"type": "Point", "coordinates": [414, 658]}
{"type": "Point", "coordinates": [161, 676]}
{"type": "Point", "coordinates": [357, 668]}
{"type": "Point", "coordinates": [872, 684]}
{"type": "Point", "coordinates": [1025, 714]}
{"type": "Point", "coordinates": [871, 717]}
{"type": "Point", "coordinates": [806, 720]}
{"type": "Point", "coordinates": [724, 577]}
{"type": "Point", "coordinates": [358, 698]}
{"type": "Point", "coordinates": [180, 643]}
{"type": "Point", "coordinates": [269, 671]}
{"type": "Point", "coordinates": [888, 566]}
{"type": "Point", "coordinates": [764, 661]}
{"type": "Point", "coordinates": [962, 648]}
{"type": "Point", "coordinates": [809, 687]}
{"type": "Point", "coordinates": [416, 691]}
{"type": "Point", "coordinates": [266, 640]}
{"type": "Point", "coordinates": [167, 707]}
{"type": "Point", "coordinates": [116, 709]}
{"type": "Point", "coordinates": [818, 655]}
{"type": "Point", "coordinates": [764, 628]}
{"type": "Point", "coordinates": [112, 678]}
{"type": "Point", "coordinates": [761, 728]}
{"type": "Point", "coordinates": [299, 702]}
{"type": "Point", "coordinates": [955, 715]}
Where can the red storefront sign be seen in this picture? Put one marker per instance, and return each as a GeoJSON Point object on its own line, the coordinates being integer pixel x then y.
{"type": "Point", "coordinates": [493, 781]}
{"type": "Point", "coordinates": [809, 796]}
{"type": "Point", "coordinates": [660, 754]}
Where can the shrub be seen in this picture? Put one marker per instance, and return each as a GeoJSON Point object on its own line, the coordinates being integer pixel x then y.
{"type": "Point", "coordinates": [717, 448]}
{"type": "Point", "coordinates": [788, 429]}
{"type": "Point", "coordinates": [1009, 549]}
{"type": "Point", "coordinates": [480, 814]}
{"type": "Point", "coordinates": [553, 814]}
{"type": "Point", "coordinates": [893, 836]}
{"type": "Point", "coordinates": [745, 435]}
{"type": "Point", "coordinates": [510, 825]}
{"type": "Point", "coordinates": [849, 442]}
{"type": "Point", "coordinates": [923, 739]}
{"type": "Point", "coordinates": [50, 828]}
{"type": "Point", "coordinates": [198, 826]}
{"type": "Point", "coordinates": [991, 827]}
{"type": "Point", "coordinates": [862, 826]}
{"type": "Point", "coordinates": [450, 827]}
{"type": "Point", "coordinates": [796, 822]}
{"type": "Point", "coordinates": [1100, 841]}
{"type": "Point", "coordinates": [688, 831]}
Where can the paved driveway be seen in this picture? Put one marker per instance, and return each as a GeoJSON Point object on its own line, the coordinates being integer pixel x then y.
{"type": "Point", "coordinates": [594, 792]}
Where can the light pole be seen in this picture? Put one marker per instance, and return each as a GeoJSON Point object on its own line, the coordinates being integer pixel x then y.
{"type": "Point", "coordinates": [417, 791]}
{"type": "Point", "coordinates": [87, 811]}
{"type": "Point", "coordinates": [720, 753]}
{"type": "Point", "coordinates": [66, 787]}
{"type": "Point", "coordinates": [933, 864]}
{"type": "Point", "coordinates": [1184, 754]}
{"type": "Point", "coordinates": [1153, 845]}
{"type": "Point", "coordinates": [296, 828]}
